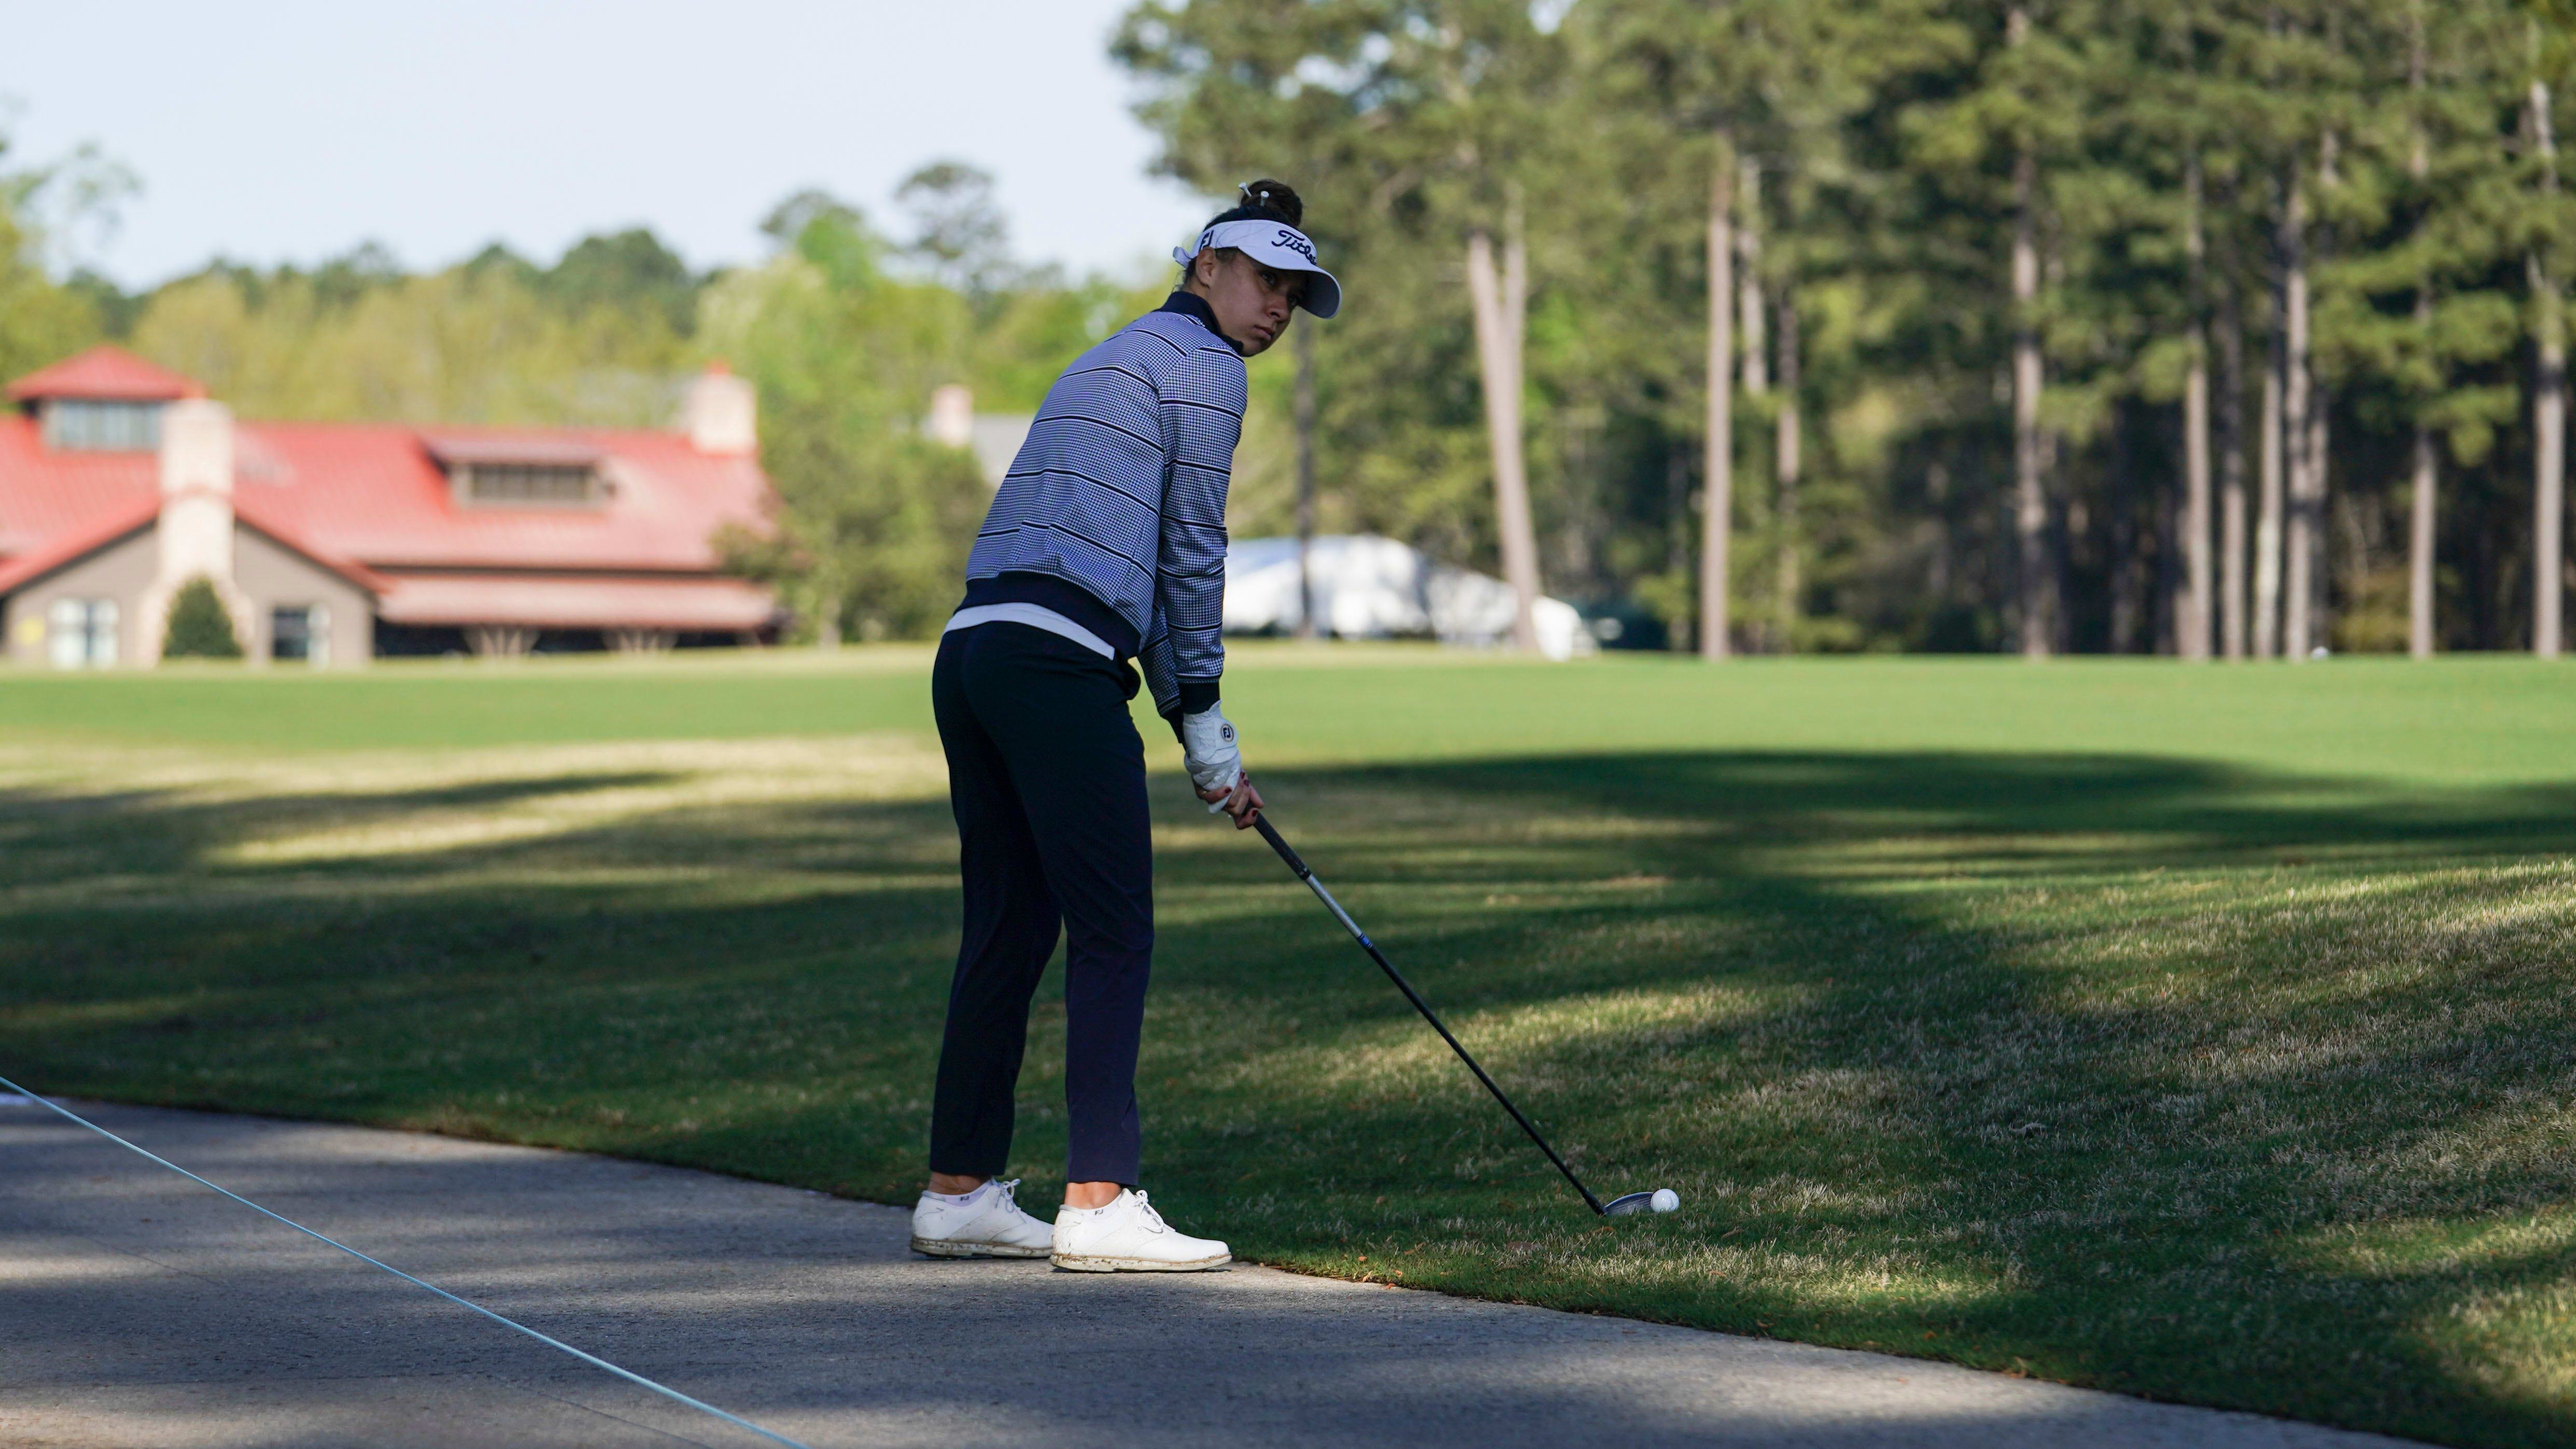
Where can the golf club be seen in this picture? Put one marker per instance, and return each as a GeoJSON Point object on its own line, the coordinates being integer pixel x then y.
{"type": "Point", "coordinates": [1661, 1200]}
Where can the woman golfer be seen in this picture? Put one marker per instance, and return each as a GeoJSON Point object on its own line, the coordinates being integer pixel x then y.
{"type": "Point", "coordinates": [1105, 544]}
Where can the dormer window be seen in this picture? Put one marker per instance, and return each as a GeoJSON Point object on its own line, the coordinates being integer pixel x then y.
{"type": "Point", "coordinates": [101, 425]}
{"type": "Point", "coordinates": [507, 472]}
{"type": "Point", "coordinates": [102, 401]}
{"type": "Point", "coordinates": [528, 483]}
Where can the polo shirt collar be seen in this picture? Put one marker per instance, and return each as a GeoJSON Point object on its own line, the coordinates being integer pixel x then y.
{"type": "Point", "coordinates": [1191, 304]}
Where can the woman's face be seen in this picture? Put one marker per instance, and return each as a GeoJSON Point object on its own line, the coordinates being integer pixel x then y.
{"type": "Point", "coordinates": [1252, 302]}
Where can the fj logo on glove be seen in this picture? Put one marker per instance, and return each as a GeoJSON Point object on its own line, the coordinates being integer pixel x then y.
{"type": "Point", "coordinates": [1208, 747]}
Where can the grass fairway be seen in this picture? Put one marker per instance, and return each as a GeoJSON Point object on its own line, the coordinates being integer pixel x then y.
{"type": "Point", "coordinates": [2205, 1033]}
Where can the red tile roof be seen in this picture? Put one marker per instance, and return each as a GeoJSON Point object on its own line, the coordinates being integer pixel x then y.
{"type": "Point", "coordinates": [106, 372]}
{"type": "Point", "coordinates": [372, 492]}
{"type": "Point", "coordinates": [112, 527]}
{"type": "Point", "coordinates": [47, 495]}
{"type": "Point", "coordinates": [707, 605]}
{"type": "Point", "coordinates": [539, 448]}
{"type": "Point", "coordinates": [373, 503]}
{"type": "Point", "coordinates": [254, 514]}
{"type": "Point", "coordinates": [94, 534]}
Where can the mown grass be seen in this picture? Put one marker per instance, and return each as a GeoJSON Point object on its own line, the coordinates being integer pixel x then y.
{"type": "Point", "coordinates": [2203, 1033]}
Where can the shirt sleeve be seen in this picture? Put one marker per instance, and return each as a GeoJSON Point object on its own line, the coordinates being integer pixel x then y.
{"type": "Point", "coordinates": [1201, 398]}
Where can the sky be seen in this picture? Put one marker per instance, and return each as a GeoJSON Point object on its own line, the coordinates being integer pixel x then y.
{"type": "Point", "coordinates": [272, 131]}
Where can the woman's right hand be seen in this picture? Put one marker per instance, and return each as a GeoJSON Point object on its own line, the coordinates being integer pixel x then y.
{"type": "Point", "coordinates": [1242, 802]}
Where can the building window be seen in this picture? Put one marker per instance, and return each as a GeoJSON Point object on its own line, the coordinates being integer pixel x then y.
{"type": "Point", "coordinates": [81, 633]}
{"type": "Point", "coordinates": [97, 426]}
{"type": "Point", "coordinates": [300, 631]}
{"type": "Point", "coordinates": [529, 483]}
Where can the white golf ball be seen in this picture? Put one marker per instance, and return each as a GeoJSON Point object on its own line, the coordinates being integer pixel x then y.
{"type": "Point", "coordinates": [1665, 1200]}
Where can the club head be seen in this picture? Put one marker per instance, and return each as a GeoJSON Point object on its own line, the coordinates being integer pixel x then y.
{"type": "Point", "coordinates": [1661, 1200]}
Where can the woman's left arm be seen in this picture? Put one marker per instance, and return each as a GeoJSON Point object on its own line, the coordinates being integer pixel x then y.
{"type": "Point", "coordinates": [1202, 399]}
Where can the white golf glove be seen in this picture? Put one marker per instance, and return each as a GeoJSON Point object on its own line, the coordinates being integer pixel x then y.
{"type": "Point", "coordinates": [1207, 745]}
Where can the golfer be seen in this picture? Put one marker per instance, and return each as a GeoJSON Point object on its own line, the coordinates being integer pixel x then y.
{"type": "Point", "coordinates": [1104, 548]}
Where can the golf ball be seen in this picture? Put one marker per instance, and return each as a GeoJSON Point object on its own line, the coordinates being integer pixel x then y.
{"type": "Point", "coordinates": [1665, 1200]}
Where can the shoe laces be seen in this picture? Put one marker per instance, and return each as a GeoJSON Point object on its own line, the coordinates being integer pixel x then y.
{"type": "Point", "coordinates": [1153, 1220]}
{"type": "Point", "coordinates": [1010, 1193]}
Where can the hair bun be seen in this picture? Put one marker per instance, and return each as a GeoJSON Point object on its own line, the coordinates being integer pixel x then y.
{"type": "Point", "coordinates": [1276, 199]}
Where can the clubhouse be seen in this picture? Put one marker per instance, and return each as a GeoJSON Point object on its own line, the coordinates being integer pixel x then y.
{"type": "Point", "coordinates": [333, 543]}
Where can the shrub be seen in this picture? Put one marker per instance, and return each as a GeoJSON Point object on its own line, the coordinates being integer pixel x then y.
{"type": "Point", "coordinates": [199, 627]}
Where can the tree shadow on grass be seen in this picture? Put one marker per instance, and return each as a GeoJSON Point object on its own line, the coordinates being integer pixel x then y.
{"type": "Point", "coordinates": [2096, 1067]}
{"type": "Point", "coordinates": [2073, 1065]}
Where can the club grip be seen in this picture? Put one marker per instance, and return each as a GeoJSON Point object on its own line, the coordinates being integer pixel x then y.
{"type": "Point", "coordinates": [1271, 834]}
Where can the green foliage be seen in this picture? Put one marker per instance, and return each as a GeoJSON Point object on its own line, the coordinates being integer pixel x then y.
{"type": "Point", "coordinates": [629, 270]}
{"type": "Point", "coordinates": [1886, 134]}
{"type": "Point", "coordinates": [873, 520]}
{"type": "Point", "coordinates": [493, 340]}
{"type": "Point", "coordinates": [200, 626]}
{"type": "Point", "coordinates": [41, 321]}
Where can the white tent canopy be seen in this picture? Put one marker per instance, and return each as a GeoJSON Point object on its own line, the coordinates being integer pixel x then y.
{"type": "Point", "coordinates": [1367, 587]}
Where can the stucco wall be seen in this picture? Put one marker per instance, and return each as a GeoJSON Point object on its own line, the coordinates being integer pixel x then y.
{"type": "Point", "coordinates": [270, 576]}
{"type": "Point", "coordinates": [121, 572]}
{"type": "Point", "coordinates": [265, 576]}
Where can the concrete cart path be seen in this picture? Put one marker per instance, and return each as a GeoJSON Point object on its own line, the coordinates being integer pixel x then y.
{"type": "Point", "coordinates": [139, 1310]}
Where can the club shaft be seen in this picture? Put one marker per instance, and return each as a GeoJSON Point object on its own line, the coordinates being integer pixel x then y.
{"type": "Point", "coordinates": [1271, 834]}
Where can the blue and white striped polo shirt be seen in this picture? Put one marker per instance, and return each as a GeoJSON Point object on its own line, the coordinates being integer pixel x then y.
{"type": "Point", "coordinates": [1113, 514]}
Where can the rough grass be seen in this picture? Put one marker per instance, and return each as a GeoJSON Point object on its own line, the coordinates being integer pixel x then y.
{"type": "Point", "coordinates": [2199, 1033]}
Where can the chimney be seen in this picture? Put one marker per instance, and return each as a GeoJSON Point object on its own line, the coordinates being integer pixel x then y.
{"type": "Point", "coordinates": [721, 415]}
{"type": "Point", "coordinates": [196, 528]}
{"type": "Point", "coordinates": [952, 417]}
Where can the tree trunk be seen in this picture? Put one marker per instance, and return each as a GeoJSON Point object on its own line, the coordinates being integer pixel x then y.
{"type": "Point", "coordinates": [2320, 574]}
{"type": "Point", "coordinates": [2231, 462]}
{"type": "Point", "coordinates": [2267, 527]}
{"type": "Point", "coordinates": [1748, 276]}
{"type": "Point", "coordinates": [2298, 542]}
{"type": "Point", "coordinates": [1751, 347]}
{"type": "Point", "coordinates": [1678, 539]}
{"type": "Point", "coordinates": [2132, 586]}
{"type": "Point", "coordinates": [1789, 460]}
{"type": "Point", "coordinates": [1717, 505]}
{"type": "Point", "coordinates": [1305, 479]}
{"type": "Point", "coordinates": [2191, 619]}
{"type": "Point", "coordinates": [2030, 499]}
{"type": "Point", "coordinates": [827, 621]}
{"type": "Point", "coordinates": [2419, 543]}
{"type": "Point", "coordinates": [2548, 411]}
{"type": "Point", "coordinates": [2421, 520]}
{"type": "Point", "coordinates": [1498, 347]}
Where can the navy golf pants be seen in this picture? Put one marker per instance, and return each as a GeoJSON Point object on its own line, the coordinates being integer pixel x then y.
{"type": "Point", "coordinates": [1047, 779]}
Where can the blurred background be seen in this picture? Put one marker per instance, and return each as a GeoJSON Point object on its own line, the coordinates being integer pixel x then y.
{"type": "Point", "coordinates": [2133, 326]}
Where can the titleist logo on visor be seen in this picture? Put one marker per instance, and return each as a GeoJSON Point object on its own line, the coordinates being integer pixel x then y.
{"type": "Point", "coordinates": [1273, 244]}
{"type": "Point", "coordinates": [1256, 236]}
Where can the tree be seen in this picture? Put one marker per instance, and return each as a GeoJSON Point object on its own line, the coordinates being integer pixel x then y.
{"type": "Point", "coordinates": [872, 520]}
{"type": "Point", "coordinates": [40, 319]}
{"type": "Point", "coordinates": [960, 234]}
{"type": "Point", "coordinates": [629, 271]}
{"type": "Point", "coordinates": [1430, 116]}
{"type": "Point", "coordinates": [200, 627]}
{"type": "Point", "coordinates": [2549, 367]}
{"type": "Point", "coordinates": [2017, 257]}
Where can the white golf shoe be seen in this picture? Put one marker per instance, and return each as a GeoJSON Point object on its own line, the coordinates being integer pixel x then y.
{"type": "Point", "coordinates": [1128, 1236]}
{"type": "Point", "coordinates": [987, 1223]}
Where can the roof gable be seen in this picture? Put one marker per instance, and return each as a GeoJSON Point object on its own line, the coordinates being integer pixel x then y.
{"type": "Point", "coordinates": [109, 373]}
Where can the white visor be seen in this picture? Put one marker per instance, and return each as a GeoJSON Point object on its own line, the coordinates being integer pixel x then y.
{"type": "Point", "coordinates": [1278, 246]}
